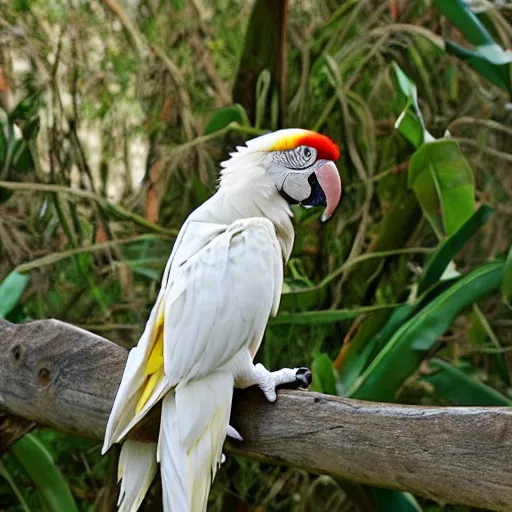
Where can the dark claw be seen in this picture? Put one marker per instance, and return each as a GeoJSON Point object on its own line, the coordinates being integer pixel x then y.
{"type": "Point", "coordinates": [303, 377]}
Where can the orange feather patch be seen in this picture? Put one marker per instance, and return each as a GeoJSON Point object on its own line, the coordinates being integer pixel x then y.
{"type": "Point", "coordinates": [325, 147]}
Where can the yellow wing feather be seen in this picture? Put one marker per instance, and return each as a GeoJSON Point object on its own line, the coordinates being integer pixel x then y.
{"type": "Point", "coordinates": [154, 370]}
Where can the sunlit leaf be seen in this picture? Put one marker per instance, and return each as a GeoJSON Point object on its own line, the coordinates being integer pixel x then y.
{"type": "Point", "coordinates": [402, 355]}
{"type": "Point", "coordinates": [443, 183]}
{"type": "Point", "coordinates": [457, 387]}
{"type": "Point", "coordinates": [440, 259]}
{"type": "Point", "coordinates": [407, 86]}
{"type": "Point", "coordinates": [11, 289]}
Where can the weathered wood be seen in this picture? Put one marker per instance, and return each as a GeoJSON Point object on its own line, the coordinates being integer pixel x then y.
{"type": "Point", "coordinates": [57, 375]}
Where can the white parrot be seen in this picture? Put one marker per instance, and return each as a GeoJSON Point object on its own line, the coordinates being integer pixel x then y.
{"type": "Point", "coordinates": [222, 282]}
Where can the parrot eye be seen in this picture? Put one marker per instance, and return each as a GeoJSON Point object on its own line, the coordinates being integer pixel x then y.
{"type": "Point", "coordinates": [298, 158]}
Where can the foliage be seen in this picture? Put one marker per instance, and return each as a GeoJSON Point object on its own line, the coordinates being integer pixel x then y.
{"type": "Point", "coordinates": [124, 113]}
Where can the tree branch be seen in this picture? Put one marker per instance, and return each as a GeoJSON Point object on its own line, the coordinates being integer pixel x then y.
{"type": "Point", "coordinates": [61, 376]}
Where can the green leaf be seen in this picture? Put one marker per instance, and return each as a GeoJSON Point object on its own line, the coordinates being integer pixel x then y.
{"type": "Point", "coordinates": [497, 74]}
{"type": "Point", "coordinates": [410, 122]}
{"type": "Point", "coordinates": [388, 500]}
{"type": "Point", "coordinates": [370, 339]}
{"type": "Point", "coordinates": [488, 58]}
{"type": "Point", "coordinates": [11, 289]}
{"type": "Point", "coordinates": [404, 352]}
{"type": "Point", "coordinates": [440, 259]}
{"type": "Point", "coordinates": [225, 116]}
{"type": "Point", "coordinates": [443, 181]}
{"type": "Point", "coordinates": [410, 126]}
{"type": "Point", "coordinates": [40, 467]}
{"type": "Point", "coordinates": [459, 13]}
{"type": "Point", "coordinates": [457, 387]}
{"type": "Point", "coordinates": [506, 286]}
{"type": "Point", "coordinates": [359, 351]}
{"type": "Point", "coordinates": [407, 86]}
{"type": "Point", "coordinates": [324, 379]}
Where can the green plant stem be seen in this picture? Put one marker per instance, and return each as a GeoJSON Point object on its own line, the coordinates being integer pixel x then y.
{"type": "Point", "coordinates": [370, 256]}
{"type": "Point", "coordinates": [50, 259]}
{"type": "Point", "coordinates": [119, 210]}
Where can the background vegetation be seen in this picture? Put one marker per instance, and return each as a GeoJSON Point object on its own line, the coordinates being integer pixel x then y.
{"type": "Point", "coordinates": [115, 117]}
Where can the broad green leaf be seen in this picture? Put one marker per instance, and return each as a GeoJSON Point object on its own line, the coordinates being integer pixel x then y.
{"type": "Point", "coordinates": [225, 116]}
{"type": "Point", "coordinates": [443, 183]}
{"type": "Point", "coordinates": [409, 125]}
{"type": "Point", "coordinates": [404, 352]}
{"type": "Point", "coordinates": [407, 86]}
{"type": "Point", "coordinates": [369, 341]}
{"type": "Point", "coordinates": [440, 259]}
{"type": "Point", "coordinates": [11, 289]}
{"type": "Point", "coordinates": [40, 467]}
{"type": "Point", "coordinates": [497, 74]}
{"type": "Point", "coordinates": [389, 500]}
{"type": "Point", "coordinates": [324, 379]}
{"type": "Point", "coordinates": [457, 387]}
{"type": "Point", "coordinates": [356, 356]}
{"type": "Point", "coordinates": [488, 57]}
{"type": "Point", "coordinates": [506, 286]}
{"type": "Point", "coordinates": [459, 13]}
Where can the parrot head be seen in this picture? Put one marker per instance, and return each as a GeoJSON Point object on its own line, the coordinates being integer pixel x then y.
{"type": "Point", "coordinates": [301, 165]}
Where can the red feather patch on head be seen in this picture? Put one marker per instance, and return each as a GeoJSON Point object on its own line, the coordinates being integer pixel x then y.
{"type": "Point", "coordinates": [325, 147]}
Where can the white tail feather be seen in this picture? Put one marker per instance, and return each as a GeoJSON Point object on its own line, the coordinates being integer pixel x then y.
{"type": "Point", "coordinates": [192, 432]}
{"type": "Point", "coordinates": [137, 468]}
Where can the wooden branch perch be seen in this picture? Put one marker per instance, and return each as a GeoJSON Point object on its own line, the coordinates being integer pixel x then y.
{"type": "Point", "coordinates": [54, 374]}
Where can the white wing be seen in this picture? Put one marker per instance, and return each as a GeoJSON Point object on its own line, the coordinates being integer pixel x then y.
{"type": "Point", "coordinates": [216, 302]}
{"type": "Point", "coordinates": [219, 300]}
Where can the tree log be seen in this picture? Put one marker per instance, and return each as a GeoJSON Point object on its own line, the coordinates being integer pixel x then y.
{"type": "Point", "coordinates": [63, 377]}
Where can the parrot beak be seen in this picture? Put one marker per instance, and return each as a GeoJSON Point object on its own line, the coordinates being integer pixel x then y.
{"type": "Point", "coordinates": [330, 181]}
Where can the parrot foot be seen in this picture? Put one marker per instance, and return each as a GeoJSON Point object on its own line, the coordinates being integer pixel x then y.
{"type": "Point", "coordinates": [303, 377]}
{"type": "Point", "coordinates": [268, 381]}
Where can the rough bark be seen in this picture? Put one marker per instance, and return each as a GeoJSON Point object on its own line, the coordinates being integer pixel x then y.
{"type": "Point", "coordinates": [54, 374]}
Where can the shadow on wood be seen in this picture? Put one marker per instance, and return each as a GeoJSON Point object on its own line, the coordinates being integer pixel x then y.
{"type": "Point", "coordinates": [57, 375]}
